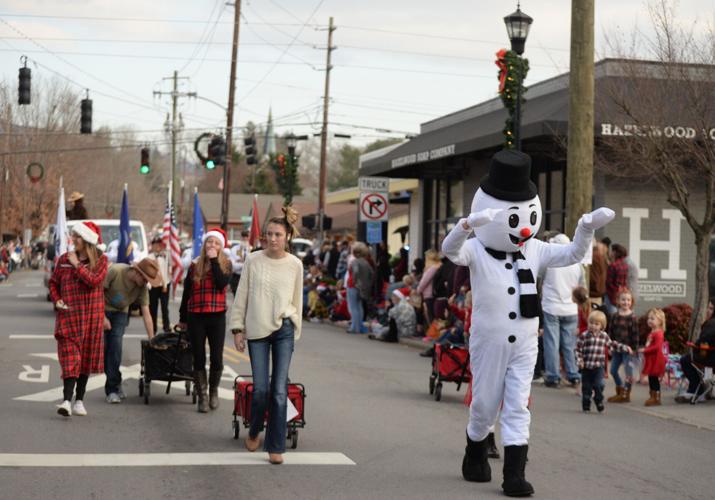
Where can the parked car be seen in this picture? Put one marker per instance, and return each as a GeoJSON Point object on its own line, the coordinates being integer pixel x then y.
{"type": "Point", "coordinates": [300, 246]}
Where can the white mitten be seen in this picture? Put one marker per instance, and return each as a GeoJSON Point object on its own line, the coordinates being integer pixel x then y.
{"type": "Point", "coordinates": [483, 217]}
{"type": "Point", "coordinates": [597, 219]}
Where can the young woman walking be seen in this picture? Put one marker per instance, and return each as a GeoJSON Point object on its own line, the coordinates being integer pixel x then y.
{"type": "Point", "coordinates": [267, 315]}
{"type": "Point", "coordinates": [77, 293]}
{"type": "Point", "coordinates": [203, 311]}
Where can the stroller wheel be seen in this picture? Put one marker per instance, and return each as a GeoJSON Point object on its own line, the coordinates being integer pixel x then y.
{"type": "Point", "coordinates": [294, 440]}
{"type": "Point", "coordinates": [438, 392]}
{"type": "Point", "coordinates": [236, 428]}
{"type": "Point", "coordinates": [431, 384]}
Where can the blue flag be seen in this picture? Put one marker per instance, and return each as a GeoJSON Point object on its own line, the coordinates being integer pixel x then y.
{"type": "Point", "coordinates": [125, 252]}
{"type": "Point", "coordinates": [198, 227]}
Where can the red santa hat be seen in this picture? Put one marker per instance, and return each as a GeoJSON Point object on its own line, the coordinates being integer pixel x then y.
{"type": "Point", "coordinates": [89, 232]}
{"type": "Point", "coordinates": [217, 233]}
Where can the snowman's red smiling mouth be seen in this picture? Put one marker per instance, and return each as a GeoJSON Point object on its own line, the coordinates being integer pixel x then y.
{"type": "Point", "coordinates": [519, 241]}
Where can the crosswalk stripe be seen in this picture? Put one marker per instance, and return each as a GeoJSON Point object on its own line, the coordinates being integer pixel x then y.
{"type": "Point", "coordinates": [165, 459]}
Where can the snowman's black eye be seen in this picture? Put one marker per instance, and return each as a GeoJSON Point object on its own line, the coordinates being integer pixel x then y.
{"type": "Point", "coordinates": [513, 220]}
{"type": "Point", "coordinates": [533, 218]}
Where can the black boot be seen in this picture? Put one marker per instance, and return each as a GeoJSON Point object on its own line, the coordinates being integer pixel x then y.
{"type": "Point", "coordinates": [493, 451]}
{"type": "Point", "coordinates": [515, 483]}
{"type": "Point", "coordinates": [475, 466]}
{"type": "Point", "coordinates": [201, 389]}
{"type": "Point", "coordinates": [214, 380]}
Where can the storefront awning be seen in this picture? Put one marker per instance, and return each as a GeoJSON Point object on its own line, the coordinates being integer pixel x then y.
{"type": "Point", "coordinates": [543, 114]}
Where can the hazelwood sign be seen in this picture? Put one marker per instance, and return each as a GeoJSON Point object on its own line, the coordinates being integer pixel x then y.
{"type": "Point", "coordinates": [678, 131]}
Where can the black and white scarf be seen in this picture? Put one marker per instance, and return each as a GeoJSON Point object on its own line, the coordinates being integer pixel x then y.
{"type": "Point", "coordinates": [528, 299]}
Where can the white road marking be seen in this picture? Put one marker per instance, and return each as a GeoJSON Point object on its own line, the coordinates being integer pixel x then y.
{"type": "Point", "coordinates": [29, 374]}
{"type": "Point", "coordinates": [165, 459]}
{"type": "Point", "coordinates": [33, 285]}
{"type": "Point", "coordinates": [25, 336]}
{"type": "Point", "coordinates": [48, 355]}
{"type": "Point", "coordinates": [27, 295]}
{"type": "Point", "coordinates": [97, 381]}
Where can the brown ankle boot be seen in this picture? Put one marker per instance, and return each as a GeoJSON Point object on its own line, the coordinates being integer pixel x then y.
{"type": "Point", "coordinates": [214, 380]}
{"type": "Point", "coordinates": [618, 396]}
{"type": "Point", "coordinates": [654, 399]}
{"type": "Point", "coordinates": [626, 397]}
{"type": "Point", "coordinates": [202, 389]}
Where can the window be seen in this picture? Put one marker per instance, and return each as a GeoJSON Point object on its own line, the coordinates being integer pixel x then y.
{"type": "Point", "coordinates": [443, 208]}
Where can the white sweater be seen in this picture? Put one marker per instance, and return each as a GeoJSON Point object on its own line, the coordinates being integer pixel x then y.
{"type": "Point", "coordinates": [269, 291]}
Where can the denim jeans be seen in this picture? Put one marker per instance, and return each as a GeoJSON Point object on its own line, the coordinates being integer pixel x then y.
{"type": "Point", "coordinates": [356, 310]}
{"type": "Point", "coordinates": [591, 382]}
{"type": "Point", "coordinates": [113, 350]}
{"type": "Point", "coordinates": [271, 395]}
{"type": "Point", "coordinates": [560, 336]}
{"type": "Point", "coordinates": [618, 359]}
{"type": "Point", "coordinates": [610, 306]}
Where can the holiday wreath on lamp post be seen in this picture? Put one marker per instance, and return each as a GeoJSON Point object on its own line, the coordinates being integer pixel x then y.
{"type": "Point", "coordinates": [512, 72]}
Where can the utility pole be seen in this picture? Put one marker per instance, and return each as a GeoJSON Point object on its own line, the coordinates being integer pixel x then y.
{"type": "Point", "coordinates": [175, 94]}
{"type": "Point", "coordinates": [229, 118]}
{"type": "Point", "coordinates": [324, 135]}
{"type": "Point", "coordinates": [579, 174]}
{"type": "Point", "coordinates": [4, 172]}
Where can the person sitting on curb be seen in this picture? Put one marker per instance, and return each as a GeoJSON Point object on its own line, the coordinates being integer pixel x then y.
{"type": "Point", "coordinates": [707, 336]}
{"type": "Point", "coordinates": [124, 285]}
{"type": "Point", "coordinates": [402, 318]}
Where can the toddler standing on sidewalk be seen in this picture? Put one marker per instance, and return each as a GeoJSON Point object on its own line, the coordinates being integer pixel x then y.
{"type": "Point", "coordinates": [591, 356]}
{"type": "Point", "coordinates": [654, 359]}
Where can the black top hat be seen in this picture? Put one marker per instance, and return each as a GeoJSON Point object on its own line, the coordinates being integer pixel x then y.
{"type": "Point", "coordinates": [509, 177]}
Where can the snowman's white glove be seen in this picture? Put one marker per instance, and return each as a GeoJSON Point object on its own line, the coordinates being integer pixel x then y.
{"type": "Point", "coordinates": [483, 217]}
{"type": "Point", "coordinates": [597, 219]}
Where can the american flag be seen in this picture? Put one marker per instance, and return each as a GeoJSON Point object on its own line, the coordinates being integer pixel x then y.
{"type": "Point", "coordinates": [170, 237]}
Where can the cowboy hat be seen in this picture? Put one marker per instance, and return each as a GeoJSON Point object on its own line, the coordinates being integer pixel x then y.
{"type": "Point", "coordinates": [149, 269]}
{"type": "Point", "coordinates": [76, 195]}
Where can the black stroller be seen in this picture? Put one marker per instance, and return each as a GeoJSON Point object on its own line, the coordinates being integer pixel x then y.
{"type": "Point", "coordinates": [167, 357]}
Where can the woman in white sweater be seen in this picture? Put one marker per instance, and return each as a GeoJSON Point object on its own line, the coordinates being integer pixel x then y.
{"type": "Point", "coordinates": [267, 314]}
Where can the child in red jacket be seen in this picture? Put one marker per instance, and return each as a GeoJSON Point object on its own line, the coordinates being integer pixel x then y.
{"type": "Point", "coordinates": [654, 359]}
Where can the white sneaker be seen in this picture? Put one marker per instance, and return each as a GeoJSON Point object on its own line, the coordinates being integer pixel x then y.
{"type": "Point", "coordinates": [79, 409]}
{"type": "Point", "coordinates": [65, 409]}
{"type": "Point", "coordinates": [113, 398]}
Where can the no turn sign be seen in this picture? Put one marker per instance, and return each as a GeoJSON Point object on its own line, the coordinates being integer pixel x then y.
{"type": "Point", "coordinates": [373, 207]}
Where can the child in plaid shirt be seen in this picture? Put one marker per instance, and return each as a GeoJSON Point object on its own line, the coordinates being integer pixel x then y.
{"type": "Point", "coordinates": [591, 356]}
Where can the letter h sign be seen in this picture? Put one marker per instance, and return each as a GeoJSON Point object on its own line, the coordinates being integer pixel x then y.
{"type": "Point", "coordinates": [671, 245]}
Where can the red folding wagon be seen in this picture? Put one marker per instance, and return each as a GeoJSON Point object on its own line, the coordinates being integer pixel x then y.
{"type": "Point", "coordinates": [450, 363]}
{"type": "Point", "coordinates": [243, 395]}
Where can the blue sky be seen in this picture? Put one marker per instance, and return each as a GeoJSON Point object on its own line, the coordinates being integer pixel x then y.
{"type": "Point", "coordinates": [398, 62]}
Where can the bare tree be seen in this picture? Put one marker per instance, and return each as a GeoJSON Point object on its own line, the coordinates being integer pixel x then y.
{"type": "Point", "coordinates": [666, 108]}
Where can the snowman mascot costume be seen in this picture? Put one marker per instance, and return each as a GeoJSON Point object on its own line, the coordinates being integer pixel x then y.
{"type": "Point", "coordinates": [504, 260]}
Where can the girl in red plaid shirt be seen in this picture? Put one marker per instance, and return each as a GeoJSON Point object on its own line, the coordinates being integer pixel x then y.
{"type": "Point", "coordinates": [591, 356]}
{"type": "Point", "coordinates": [203, 310]}
{"type": "Point", "coordinates": [77, 293]}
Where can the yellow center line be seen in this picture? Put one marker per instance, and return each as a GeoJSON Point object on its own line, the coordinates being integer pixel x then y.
{"type": "Point", "coordinates": [231, 357]}
{"type": "Point", "coordinates": [241, 355]}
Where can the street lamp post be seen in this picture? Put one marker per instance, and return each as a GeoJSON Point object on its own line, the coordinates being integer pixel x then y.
{"type": "Point", "coordinates": [517, 27]}
{"type": "Point", "coordinates": [291, 142]}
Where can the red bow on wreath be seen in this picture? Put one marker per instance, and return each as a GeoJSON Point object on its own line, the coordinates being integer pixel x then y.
{"type": "Point", "coordinates": [501, 64]}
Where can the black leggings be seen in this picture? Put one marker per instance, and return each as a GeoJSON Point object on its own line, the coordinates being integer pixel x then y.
{"type": "Point", "coordinates": [69, 385]}
{"type": "Point", "coordinates": [654, 383]}
{"type": "Point", "coordinates": [210, 326]}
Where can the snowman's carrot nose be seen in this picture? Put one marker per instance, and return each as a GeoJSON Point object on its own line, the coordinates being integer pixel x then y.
{"type": "Point", "coordinates": [525, 233]}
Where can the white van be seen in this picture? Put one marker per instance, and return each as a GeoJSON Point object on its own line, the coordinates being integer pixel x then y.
{"type": "Point", "coordinates": [110, 237]}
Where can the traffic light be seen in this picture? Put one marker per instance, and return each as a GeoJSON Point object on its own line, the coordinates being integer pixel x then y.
{"type": "Point", "coordinates": [86, 117]}
{"type": "Point", "coordinates": [144, 166]}
{"type": "Point", "coordinates": [210, 160]}
{"type": "Point", "coordinates": [217, 150]}
{"type": "Point", "coordinates": [23, 91]}
{"type": "Point", "coordinates": [281, 159]}
{"type": "Point", "coordinates": [250, 150]}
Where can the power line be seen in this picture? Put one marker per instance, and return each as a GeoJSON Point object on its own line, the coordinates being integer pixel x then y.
{"type": "Point", "coordinates": [197, 47]}
{"type": "Point", "coordinates": [20, 32]}
{"type": "Point", "coordinates": [320, 2]}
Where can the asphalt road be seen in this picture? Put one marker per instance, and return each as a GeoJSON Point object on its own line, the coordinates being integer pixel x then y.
{"type": "Point", "coordinates": [366, 401]}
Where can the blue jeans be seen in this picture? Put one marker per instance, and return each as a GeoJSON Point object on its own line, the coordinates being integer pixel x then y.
{"type": "Point", "coordinates": [618, 359]}
{"type": "Point", "coordinates": [272, 395]}
{"type": "Point", "coordinates": [591, 382]}
{"type": "Point", "coordinates": [610, 306]}
{"type": "Point", "coordinates": [356, 311]}
{"type": "Point", "coordinates": [560, 336]}
{"type": "Point", "coordinates": [113, 350]}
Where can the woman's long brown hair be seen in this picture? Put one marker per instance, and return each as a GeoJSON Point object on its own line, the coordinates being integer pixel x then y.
{"type": "Point", "coordinates": [203, 264]}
